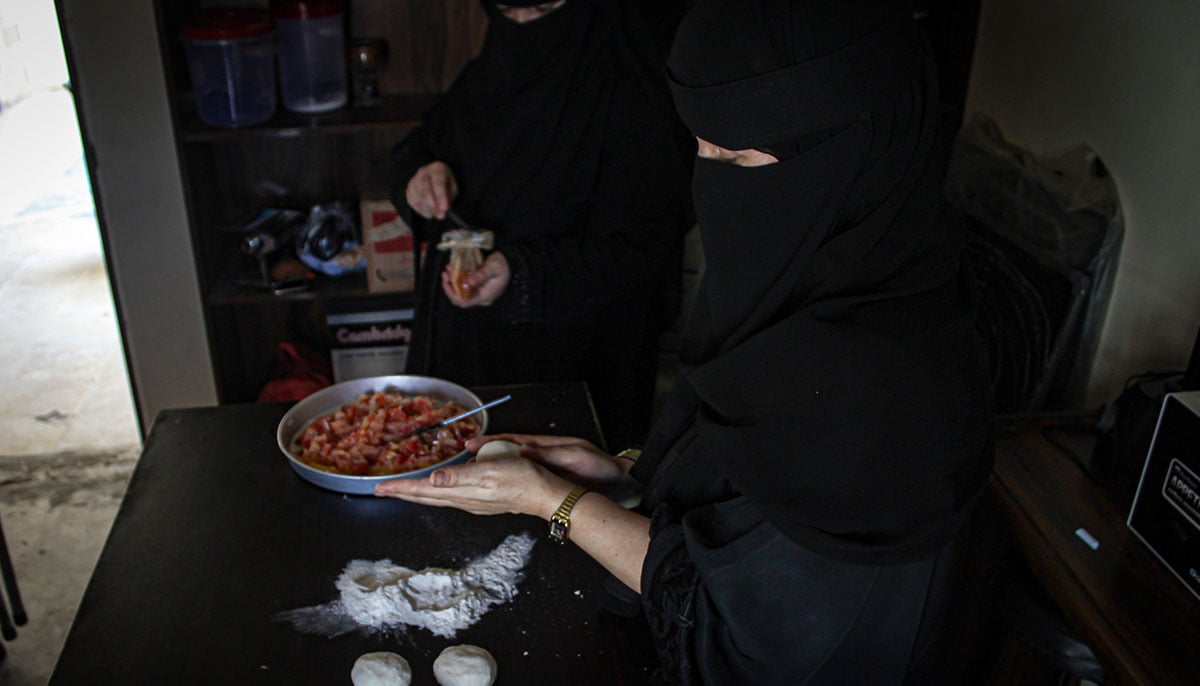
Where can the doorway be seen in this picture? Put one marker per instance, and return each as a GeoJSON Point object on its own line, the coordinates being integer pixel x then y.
{"type": "Point", "coordinates": [62, 368]}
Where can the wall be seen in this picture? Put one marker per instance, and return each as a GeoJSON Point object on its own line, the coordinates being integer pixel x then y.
{"type": "Point", "coordinates": [117, 76]}
{"type": "Point", "coordinates": [30, 52]}
{"type": "Point", "coordinates": [1124, 78]}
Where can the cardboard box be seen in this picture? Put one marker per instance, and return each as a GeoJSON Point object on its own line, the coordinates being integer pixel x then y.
{"type": "Point", "coordinates": [371, 343]}
{"type": "Point", "coordinates": [388, 242]}
{"type": "Point", "coordinates": [1166, 510]}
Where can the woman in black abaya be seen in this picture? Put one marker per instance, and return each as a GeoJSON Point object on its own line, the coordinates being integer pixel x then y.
{"type": "Point", "coordinates": [559, 138]}
{"type": "Point", "coordinates": [811, 478]}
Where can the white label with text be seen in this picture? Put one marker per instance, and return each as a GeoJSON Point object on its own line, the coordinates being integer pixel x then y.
{"type": "Point", "coordinates": [1182, 489]}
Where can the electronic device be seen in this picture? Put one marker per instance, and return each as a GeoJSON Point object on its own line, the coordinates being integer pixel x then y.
{"type": "Point", "coordinates": [1166, 508]}
{"type": "Point", "coordinates": [1127, 426]}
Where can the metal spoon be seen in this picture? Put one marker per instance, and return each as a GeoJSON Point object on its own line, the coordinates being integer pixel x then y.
{"type": "Point", "coordinates": [455, 418]}
{"type": "Point", "coordinates": [458, 220]}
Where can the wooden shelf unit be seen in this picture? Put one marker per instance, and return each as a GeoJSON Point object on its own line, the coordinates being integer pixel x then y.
{"type": "Point", "coordinates": [298, 161]}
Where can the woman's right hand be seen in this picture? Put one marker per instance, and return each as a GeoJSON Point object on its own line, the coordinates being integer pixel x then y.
{"type": "Point", "coordinates": [431, 190]}
{"type": "Point", "coordinates": [574, 459]}
{"type": "Point", "coordinates": [481, 287]}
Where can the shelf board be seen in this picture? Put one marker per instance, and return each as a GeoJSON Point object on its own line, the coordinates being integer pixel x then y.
{"type": "Point", "coordinates": [394, 111]}
{"type": "Point", "coordinates": [229, 291]}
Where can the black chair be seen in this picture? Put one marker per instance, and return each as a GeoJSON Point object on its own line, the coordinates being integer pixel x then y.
{"type": "Point", "coordinates": [9, 622]}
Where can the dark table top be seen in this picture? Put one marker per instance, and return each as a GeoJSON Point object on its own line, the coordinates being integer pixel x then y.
{"type": "Point", "coordinates": [1140, 620]}
{"type": "Point", "coordinates": [216, 535]}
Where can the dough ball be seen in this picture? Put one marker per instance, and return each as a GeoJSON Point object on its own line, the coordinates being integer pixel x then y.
{"type": "Point", "coordinates": [465, 665]}
{"type": "Point", "coordinates": [381, 669]}
{"type": "Point", "coordinates": [496, 449]}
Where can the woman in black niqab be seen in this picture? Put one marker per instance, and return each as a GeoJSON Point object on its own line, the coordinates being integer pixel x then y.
{"type": "Point", "coordinates": [809, 483]}
{"type": "Point", "coordinates": [563, 142]}
{"type": "Point", "coordinates": [829, 436]}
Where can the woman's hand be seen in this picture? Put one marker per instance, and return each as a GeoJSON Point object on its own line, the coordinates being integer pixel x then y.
{"type": "Point", "coordinates": [533, 483]}
{"type": "Point", "coordinates": [507, 484]}
{"type": "Point", "coordinates": [431, 190]}
{"type": "Point", "coordinates": [574, 459]}
{"type": "Point", "coordinates": [484, 285]}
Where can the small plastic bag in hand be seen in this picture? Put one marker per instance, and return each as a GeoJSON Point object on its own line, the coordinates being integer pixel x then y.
{"type": "Point", "coordinates": [466, 254]}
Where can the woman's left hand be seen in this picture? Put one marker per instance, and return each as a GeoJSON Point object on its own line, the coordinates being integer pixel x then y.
{"type": "Point", "coordinates": [503, 485]}
{"type": "Point", "coordinates": [485, 284]}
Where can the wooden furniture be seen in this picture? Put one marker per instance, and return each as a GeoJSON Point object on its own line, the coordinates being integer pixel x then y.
{"type": "Point", "coordinates": [216, 535]}
{"type": "Point", "coordinates": [1139, 620]}
{"type": "Point", "coordinates": [298, 161]}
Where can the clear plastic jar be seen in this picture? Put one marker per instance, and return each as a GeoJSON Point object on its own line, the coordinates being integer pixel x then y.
{"type": "Point", "coordinates": [231, 60]}
{"type": "Point", "coordinates": [312, 54]}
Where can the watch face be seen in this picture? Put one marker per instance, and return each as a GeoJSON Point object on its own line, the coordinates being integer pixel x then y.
{"type": "Point", "coordinates": [558, 530]}
{"type": "Point", "coordinates": [631, 454]}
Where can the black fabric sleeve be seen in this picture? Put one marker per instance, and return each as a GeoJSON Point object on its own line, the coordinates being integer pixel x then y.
{"type": "Point", "coordinates": [731, 599]}
{"type": "Point", "coordinates": [669, 581]}
{"type": "Point", "coordinates": [409, 155]}
{"type": "Point", "coordinates": [636, 217]}
{"type": "Point", "coordinates": [521, 297]}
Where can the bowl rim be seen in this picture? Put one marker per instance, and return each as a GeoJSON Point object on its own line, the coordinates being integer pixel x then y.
{"type": "Point", "coordinates": [317, 397]}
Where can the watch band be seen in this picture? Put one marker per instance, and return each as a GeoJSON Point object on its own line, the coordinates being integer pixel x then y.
{"type": "Point", "coordinates": [631, 454]}
{"type": "Point", "coordinates": [560, 521]}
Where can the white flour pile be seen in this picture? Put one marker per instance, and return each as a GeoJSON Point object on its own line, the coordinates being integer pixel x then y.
{"type": "Point", "coordinates": [381, 595]}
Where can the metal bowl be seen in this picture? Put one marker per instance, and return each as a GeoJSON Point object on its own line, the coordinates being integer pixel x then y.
{"type": "Point", "coordinates": [333, 397]}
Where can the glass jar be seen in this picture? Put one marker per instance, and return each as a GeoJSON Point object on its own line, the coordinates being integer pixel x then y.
{"type": "Point", "coordinates": [312, 54]}
{"type": "Point", "coordinates": [231, 61]}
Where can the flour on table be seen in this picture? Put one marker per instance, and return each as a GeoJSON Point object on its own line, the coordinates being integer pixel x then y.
{"type": "Point", "coordinates": [381, 595]}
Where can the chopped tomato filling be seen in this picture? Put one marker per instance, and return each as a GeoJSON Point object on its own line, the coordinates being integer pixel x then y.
{"type": "Point", "coordinates": [370, 435]}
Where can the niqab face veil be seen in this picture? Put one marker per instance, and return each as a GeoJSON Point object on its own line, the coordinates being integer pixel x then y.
{"type": "Point", "coordinates": [522, 55]}
{"type": "Point", "coordinates": [845, 94]}
{"type": "Point", "coordinates": [829, 354]}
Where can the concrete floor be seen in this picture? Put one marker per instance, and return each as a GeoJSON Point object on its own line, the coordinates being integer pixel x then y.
{"type": "Point", "coordinates": [68, 435]}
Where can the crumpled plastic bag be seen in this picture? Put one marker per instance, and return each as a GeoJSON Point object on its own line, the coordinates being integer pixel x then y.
{"type": "Point", "coordinates": [466, 254]}
{"type": "Point", "coordinates": [328, 241]}
{"type": "Point", "coordinates": [1061, 209]}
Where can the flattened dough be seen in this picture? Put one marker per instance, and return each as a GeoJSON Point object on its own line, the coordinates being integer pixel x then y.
{"type": "Point", "coordinates": [381, 669]}
{"type": "Point", "coordinates": [496, 449]}
{"type": "Point", "coordinates": [465, 665]}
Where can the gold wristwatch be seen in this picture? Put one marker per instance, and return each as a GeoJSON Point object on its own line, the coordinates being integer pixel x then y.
{"type": "Point", "coordinates": [631, 454]}
{"type": "Point", "coordinates": [560, 521]}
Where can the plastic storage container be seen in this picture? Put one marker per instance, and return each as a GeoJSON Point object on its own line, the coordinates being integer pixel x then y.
{"type": "Point", "coordinates": [312, 54]}
{"type": "Point", "coordinates": [231, 58]}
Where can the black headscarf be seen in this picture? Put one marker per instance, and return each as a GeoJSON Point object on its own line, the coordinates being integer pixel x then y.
{"type": "Point", "coordinates": [525, 113]}
{"type": "Point", "coordinates": [830, 352]}
{"type": "Point", "coordinates": [564, 142]}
